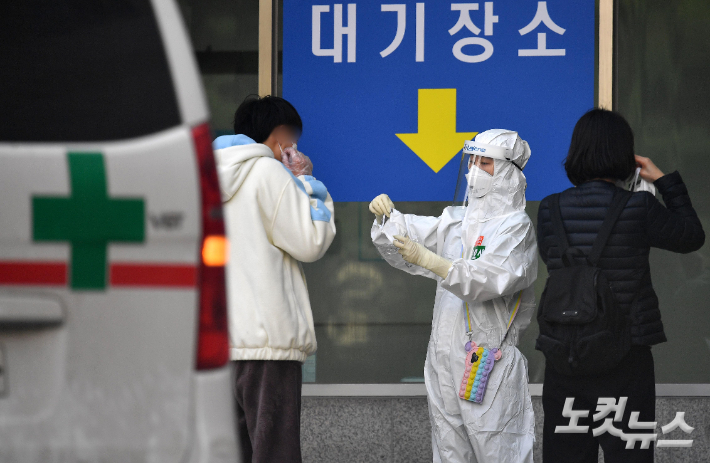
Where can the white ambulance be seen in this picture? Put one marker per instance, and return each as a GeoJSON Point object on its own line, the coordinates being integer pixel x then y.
{"type": "Point", "coordinates": [113, 324]}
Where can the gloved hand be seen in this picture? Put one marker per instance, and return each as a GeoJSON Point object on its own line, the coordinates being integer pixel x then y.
{"type": "Point", "coordinates": [297, 162]}
{"type": "Point", "coordinates": [380, 206]}
{"type": "Point", "coordinates": [417, 254]}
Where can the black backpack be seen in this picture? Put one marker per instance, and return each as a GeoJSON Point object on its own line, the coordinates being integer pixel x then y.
{"type": "Point", "coordinates": [582, 329]}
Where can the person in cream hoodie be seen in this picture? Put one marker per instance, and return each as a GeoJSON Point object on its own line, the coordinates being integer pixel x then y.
{"type": "Point", "coordinates": [276, 216]}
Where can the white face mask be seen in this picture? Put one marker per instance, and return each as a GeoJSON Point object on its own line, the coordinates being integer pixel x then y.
{"type": "Point", "coordinates": [294, 146]}
{"type": "Point", "coordinates": [636, 183]}
{"type": "Point", "coordinates": [639, 184]}
{"type": "Point", "coordinates": [479, 182]}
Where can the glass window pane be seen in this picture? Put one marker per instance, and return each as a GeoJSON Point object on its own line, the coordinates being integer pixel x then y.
{"type": "Point", "coordinates": [83, 71]}
{"type": "Point", "coordinates": [372, 320]}
{"type": "Point", "coordinates": [225, 37]}
{"type": "Point", "coordinates": [662, 64]}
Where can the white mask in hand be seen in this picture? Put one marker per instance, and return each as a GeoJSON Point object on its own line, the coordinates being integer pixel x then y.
{"type": "Point", "coordinates": [636, 183]}
{"type": "Point", "coordinates": [295, 161]}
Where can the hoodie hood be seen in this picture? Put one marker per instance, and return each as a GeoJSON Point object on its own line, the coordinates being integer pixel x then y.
{"type": "Point", "coordinates": [235, 156]}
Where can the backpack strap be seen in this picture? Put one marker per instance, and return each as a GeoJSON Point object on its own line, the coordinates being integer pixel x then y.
{"type": "Point", "coordinates": [621, 197]}
{"type": "Point", "coordinates": [559, 229]}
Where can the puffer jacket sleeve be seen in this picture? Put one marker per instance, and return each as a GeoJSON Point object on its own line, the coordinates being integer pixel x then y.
{"type": "Point", "coordinates": [303, 222]}
{"type": "Point", "coordinates": [676, 226]}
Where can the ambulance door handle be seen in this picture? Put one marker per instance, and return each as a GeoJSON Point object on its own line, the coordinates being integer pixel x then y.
{"type": "Point", "coordinates": [18, 312]}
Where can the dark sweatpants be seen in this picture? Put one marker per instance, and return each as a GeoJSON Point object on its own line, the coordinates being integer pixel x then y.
{"type": "Point", "coordinates": [633, 378]}
{"type": "Point", "coordinates": [268, 409]}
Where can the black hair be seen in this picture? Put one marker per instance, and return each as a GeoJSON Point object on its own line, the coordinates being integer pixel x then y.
{"type": "Point", "coordinates": [602, 146]}
{"type": "Point", "coordinates": [258, 117]}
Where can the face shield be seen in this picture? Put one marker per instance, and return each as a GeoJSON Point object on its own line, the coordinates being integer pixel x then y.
{"type": "Point", "coordinates": [477, 170]}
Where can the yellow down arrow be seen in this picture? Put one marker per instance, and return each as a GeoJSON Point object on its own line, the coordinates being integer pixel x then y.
{"type": "Point", "coordinates": [437, 140]}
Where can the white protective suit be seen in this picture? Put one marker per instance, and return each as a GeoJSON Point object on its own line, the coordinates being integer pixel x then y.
{"type": "Point", "coordinates": [502, 428]}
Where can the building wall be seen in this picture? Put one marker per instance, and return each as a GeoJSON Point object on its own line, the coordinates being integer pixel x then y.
{"type": "Point", "coordinates": [397, 430]}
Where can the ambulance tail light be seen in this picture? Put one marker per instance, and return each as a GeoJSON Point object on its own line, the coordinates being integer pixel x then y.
{"type": "Point", "coordinates": [213, 334]}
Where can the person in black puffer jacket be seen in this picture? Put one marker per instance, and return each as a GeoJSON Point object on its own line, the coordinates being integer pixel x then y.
{"type": "Point", "coordinates": [601, 154]}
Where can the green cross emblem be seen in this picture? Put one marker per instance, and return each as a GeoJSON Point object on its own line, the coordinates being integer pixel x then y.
{"type": "Point", "coordinates": [88, 220]}
{"type": "Point", "coordinates": [477, 251]}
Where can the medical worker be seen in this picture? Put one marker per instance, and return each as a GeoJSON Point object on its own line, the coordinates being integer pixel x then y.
{"type": "Point", "coordinates": [484, 258]}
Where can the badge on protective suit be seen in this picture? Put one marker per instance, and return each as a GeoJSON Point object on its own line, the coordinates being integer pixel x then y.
{"type": "Point", "coordinates": [478, 249]}
{"type": "Point", "coordinates": [480, 362]}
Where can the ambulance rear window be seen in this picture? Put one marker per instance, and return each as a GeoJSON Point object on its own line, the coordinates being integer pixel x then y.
{"type": "Point", "coordinates": [82, 71]}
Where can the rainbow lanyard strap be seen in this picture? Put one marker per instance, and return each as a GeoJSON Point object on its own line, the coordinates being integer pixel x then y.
{"type": "Point", "coordinates": [469, 331]}
{"type": "Point", "coordinates": [479, 360]}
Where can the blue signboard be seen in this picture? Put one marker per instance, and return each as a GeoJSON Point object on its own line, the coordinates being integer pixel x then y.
{"type": "Point", "coordinates": [388, 92]}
